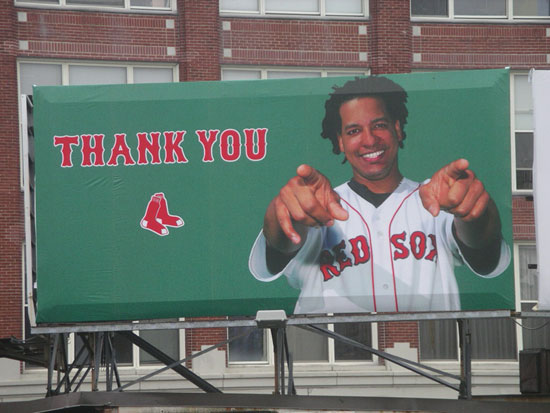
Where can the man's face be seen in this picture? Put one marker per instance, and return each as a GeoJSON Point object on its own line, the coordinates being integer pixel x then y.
{"type": "Point", "coordinates": [370, 140]}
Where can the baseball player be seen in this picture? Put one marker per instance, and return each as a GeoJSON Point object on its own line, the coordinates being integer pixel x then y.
{"type": "Point", "coordinates": [379, 242]}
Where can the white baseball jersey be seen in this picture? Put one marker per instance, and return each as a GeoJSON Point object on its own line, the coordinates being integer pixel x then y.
{"type": "Point", "coordinates": [396, 257]}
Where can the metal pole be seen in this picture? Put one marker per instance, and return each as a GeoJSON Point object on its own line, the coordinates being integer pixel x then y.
{"type": "Point", "coordinates": [97, 360]}
{"type": "Point", "coordinates": [465, 359]}
{"type": "Point", "coordinates": [53, 354]}
{"type": "Point", "coordinates": [274, 337]}
{"type": "Point", "coordinates": [280, 340]}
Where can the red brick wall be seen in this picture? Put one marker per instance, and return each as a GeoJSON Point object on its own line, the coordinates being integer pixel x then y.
{"type": "Point", "coordinates": [465, 46]}
{"type": "Point", "coordinates": [195, 338]}
{"type": "Point", "coordinates": [317, 43]}
{"type": "Point", "coordinates": [11, 198]}
{"type": "Point", "coordinates": [523, 218]}
{"type": "Point", "coordinates": [398, 332]}
{"type": "Point", "coordinates": [91, 35]}
{"type": "Point", "coordinates": [200, 40]}
{"type": "Point", "coordinates": [390, 36]}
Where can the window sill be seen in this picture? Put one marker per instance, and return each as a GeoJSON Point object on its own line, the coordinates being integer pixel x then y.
{"type": "Point", "coordinates": [96, 9]}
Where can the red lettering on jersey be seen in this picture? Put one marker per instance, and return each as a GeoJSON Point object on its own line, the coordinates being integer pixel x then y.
{"type": "Point", "coordinates": [152, 146]}
{"type": "Point", "coordinates": [433, 253]}
{"type": "Point", "coordinates": [251, 153]}
{"type": "Point", "coordinates": [97, 150]}
{"type": "Point", "coordinates": [328, 270]}
{"type": "Point", "coordinates": [341, 256]}
{"type": "Point", "coordinates": [172, 146]}
{"type": "Point", "coordinates": [418, 244]}
{"type": "Point", "coordinates": [230, 145]}
{"type": "Point", "coordinates": [359, 249]}
{"type": "Point", "coordinates": [120, 148]}
{"type": "Point", "coordinates": [207, 143]}
{"type": "Point", "coordinates": [401, 251]}
{"type": "Point", "coordinates": [66, 143]}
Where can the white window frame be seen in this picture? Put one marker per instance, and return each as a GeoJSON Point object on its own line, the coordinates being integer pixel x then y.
{"type": "Point", "coordinates": [127, 7]}
{"type": "Point", "coordinates": [509, 17]}
{"type": "Point", "coordinates": [513, 131]}
{"type": "Point", "coordinates": [65, 64]}
{"type": "Point", "coordinates": [323, 71]}
{"type": "Point", "coordinates": [261, 12]}
{"type": "Point", "coordinates": [268, 345]}
{"type": "Point", "coordinates": [135, 364]}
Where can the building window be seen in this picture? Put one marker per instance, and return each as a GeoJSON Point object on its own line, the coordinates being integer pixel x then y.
{"type": "Point", "coordinates": [126, 354]}
{"type": "Point", "coordinates": [289, 73]}
{"type": "Point", "coordinates": [305, 346]}
{"type": "Point", "coordinates": [489, 9]}
{"type": "Point", "coordinates": [114, 5]}
{"type": "Point", "coordinates": [492, 339]}
{"type": "Point", "coordinates": [322, 8]}
{"type": "Point", "coordinates": [73, 73]}
{"type": "Point", "coordinates": [522, 138]}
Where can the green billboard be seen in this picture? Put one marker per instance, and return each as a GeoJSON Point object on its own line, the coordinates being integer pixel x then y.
{"type": "Point", "coordinates": [150, 197]}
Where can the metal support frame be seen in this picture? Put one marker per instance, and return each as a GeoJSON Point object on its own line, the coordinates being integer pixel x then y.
{"type": "Point", "coordinates": [282, 353]}
{"type": "Point", "coordinates": [415, 367]}
{"type": "Point", "coordinates": [465, 359]}
{"type": "Point", "coordinates": [168, 361]}
{"type": "Point", "coordinates": [100, 351]}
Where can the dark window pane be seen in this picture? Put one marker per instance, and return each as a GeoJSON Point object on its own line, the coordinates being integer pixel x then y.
{"type": "Point", "coordinates": [524, 149]}
{"type": "Point", "coordinates": [166, 341]}
{"type": "Point", "coordinates": [247, 348]}
{"type": "Point", "coordinates": [360, 332]}
{"type": "Point", "coordinates": [480, 7]}
{"type": "Point", "coordinates": [524, 179]}
{"type": "Point", "coordinates": [99, 3]}
{"type": "Point", "coordinates": [493, 339]}
{"type": "Point", "coordinates": [438, 340]}
{"type": "Point", "coordinates": [123, 350]}
{"type": "Point", "coordinates": [532, 8]}
{"type": "Point", "coordinates": [429, 8]}
{"type": "Point", "coordinates": [307, 346]}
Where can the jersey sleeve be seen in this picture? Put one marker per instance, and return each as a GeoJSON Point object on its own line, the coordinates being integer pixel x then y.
{"type": "Point", "coordinates": [298, 266]}
{"type": "Point", "coordinates": [504, 258]}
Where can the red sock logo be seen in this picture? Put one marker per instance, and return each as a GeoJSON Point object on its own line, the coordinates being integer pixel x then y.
{"type": "Point", "coordinates": [164, 217]}
{"type": "Point", "coordinates": [157, 217]}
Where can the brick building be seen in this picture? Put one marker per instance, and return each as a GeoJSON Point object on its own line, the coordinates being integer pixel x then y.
{"type": "Point", "coordinates": [66, 42]}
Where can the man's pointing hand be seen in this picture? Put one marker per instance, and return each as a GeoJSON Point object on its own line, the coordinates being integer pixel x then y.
{"type": "Point", "coordinates": [307, 200]}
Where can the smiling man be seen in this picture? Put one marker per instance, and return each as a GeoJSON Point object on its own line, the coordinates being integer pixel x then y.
{"type": "Point", "coordinates": [379, 242]}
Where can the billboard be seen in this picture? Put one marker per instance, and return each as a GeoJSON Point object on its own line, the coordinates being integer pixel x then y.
{"type": "Point", "coordinates": [150, 197]}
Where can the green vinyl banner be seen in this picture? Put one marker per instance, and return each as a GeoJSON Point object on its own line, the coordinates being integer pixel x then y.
{"type": "Point", "coordinates": [150, 198]}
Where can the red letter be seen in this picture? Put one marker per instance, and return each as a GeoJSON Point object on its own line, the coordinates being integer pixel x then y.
{"type": "Point", "coordinates": [207, 143]}
{"type": "Point", "coordinates": [341, 256]}
{"type": "Point", "coordinates": [397, 241]}
{"type": "Point", "coordinates": [235, 145]}
{"type": "Point", "coordinates": [97, 150]}
{"type": "Point", "coordinates": [120, 148]}
{"type": "Point", "coordinates": [172, 146]}
{"type": "Point", "coordinates": [261, 144]}
{"type": "Point", "coordinates": [152, 146]}
{"type": "Point", "coordinates": [66, 143]}
{"type": "Point", "coordinates": [360, 249]}
{"type": "Point", "coordinates": [327, 268]}
{"type": "Point", "coordinates": [433, 253]}
{"type": "Point", "coordinates": [418, 244]}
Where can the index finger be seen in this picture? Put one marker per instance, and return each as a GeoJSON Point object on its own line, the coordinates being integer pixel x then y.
{"type": "Point", "coordinates": [456, 169]}
{"type": "Point", "coordinates": [309, 174]}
